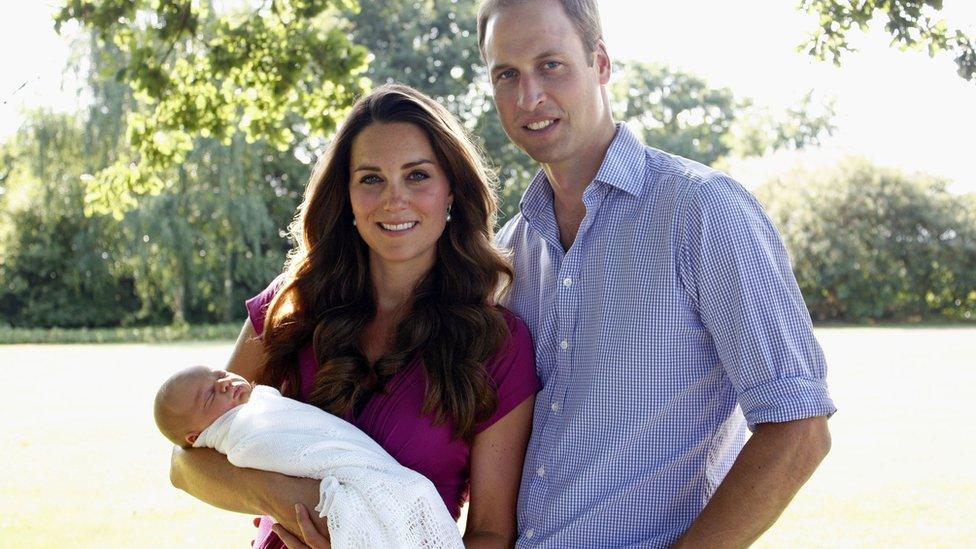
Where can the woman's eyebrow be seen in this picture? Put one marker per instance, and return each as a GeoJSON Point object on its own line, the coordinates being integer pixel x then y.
{"type": "Point", "coordinates": [415, 163]}
{"type": "Point", "coordinates": [408, 165]}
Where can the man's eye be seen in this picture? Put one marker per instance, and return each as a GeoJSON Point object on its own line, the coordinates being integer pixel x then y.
{"type": "Point", "coordinates": [505, 75]}
{"type": "Point", "coordinates": [552, 65]}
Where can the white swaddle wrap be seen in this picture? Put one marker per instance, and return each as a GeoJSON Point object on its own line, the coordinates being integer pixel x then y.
{"type": "Point", "coordinates": [370, 500]}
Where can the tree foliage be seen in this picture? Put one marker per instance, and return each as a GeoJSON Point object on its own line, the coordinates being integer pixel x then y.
{"type": "Point", "coordinates": [911, 24]}
{"type": "Point", "coordinates": [681, 113]}
{"type": "Point", "coordinates": [189, 253]}
{"type": "Point", "coordinates": [55, 267]}
{"type": "Point", "coordinates": [277, 72]}
{"type": "Point", "coordinates": [869, 243]}
{"type": "Point", "coordinates": [190, 161]}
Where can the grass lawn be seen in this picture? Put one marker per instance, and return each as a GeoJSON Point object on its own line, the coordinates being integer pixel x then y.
{"type": "Point", "coordinates": [83, 465]}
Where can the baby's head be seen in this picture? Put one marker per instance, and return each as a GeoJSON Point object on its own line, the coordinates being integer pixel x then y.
{"type": "Point", "coordinates": [193, 398]}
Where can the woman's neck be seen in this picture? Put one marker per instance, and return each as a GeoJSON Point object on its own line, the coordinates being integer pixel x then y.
{"type": "Point", "coordinates": [393, 283]}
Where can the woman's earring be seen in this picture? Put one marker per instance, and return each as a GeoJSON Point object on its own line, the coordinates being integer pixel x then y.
{"type": "Point", "coordinates": [448, 213]}
{"type": "Point", "coordinates": [354, 222]}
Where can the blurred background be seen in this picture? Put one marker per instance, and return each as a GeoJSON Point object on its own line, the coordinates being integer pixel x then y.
{"type": "Point", "coordinates": [153, 153]}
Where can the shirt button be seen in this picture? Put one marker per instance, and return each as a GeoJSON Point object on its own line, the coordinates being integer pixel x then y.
{"type": "Point", "coordinates": [541, 471]}
{"type": "Point", "coordinates": [529, 533]}
{"type": "Point", "coordinates": [555, 407]}
{"type": "Point", "coordinates": [564, 344]}
{"type": "Point", "coordinates": [567, 282]}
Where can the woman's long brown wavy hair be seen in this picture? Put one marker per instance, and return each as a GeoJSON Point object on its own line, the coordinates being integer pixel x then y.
{"type": "Point", "coordinates": [327, 294]}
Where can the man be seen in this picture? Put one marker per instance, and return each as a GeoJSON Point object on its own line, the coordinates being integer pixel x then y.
{"type": "Point", "coordinates": [661, 301]}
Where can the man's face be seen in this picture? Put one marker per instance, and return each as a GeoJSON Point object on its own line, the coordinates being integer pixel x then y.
{"type": "Point", "coordinates": [547, 87]}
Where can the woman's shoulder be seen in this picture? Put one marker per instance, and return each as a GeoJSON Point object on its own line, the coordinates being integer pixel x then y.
{"type": "Point", "coordinates": [517, 327]}
{"type": "Point", "coordinates": [517, 352]}
{"type": "Point", "coordinates": [257, 306]}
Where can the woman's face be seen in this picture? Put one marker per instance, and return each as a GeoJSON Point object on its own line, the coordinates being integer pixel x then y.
{"type": "Point", "coordinates": [399, 195]}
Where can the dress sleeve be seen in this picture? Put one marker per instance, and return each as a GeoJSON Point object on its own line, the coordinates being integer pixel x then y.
{"type": "Point", "coordinates": [736, 271]}
{"type": "Point", "coordinates": [257, 306]}
{"type": "Point", "coordinates": [513, 370]}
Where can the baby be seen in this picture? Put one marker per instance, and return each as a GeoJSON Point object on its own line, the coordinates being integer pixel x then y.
{"type": "Point", "coordinates": [370, 500]}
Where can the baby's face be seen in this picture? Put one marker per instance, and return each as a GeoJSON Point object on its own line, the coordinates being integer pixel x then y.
{"type": "Point", "coordinates": [207, 394]}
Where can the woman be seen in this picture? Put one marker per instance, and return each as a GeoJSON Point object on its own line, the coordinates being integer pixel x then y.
{"type": "Point", "coordinates": [383, 317]}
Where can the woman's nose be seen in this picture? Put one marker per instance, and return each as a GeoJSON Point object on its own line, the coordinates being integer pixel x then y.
{"type": "Point", "coordinates": [394, 196]}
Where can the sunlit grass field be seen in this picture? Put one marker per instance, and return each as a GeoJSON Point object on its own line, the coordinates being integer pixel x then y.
{"type": "Point", "coordinates": [83, 466]}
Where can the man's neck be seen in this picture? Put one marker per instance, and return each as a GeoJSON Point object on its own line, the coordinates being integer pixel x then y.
{"type": "Point", "coordinates": [570, 177]}
{"type": "Point", "coordinates": [569, 180]}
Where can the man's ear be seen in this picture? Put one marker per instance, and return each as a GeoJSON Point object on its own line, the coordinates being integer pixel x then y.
{"type": "Point", "coordinates": [602, 60]}
{"type": "Point", "coordinates": [191, 437]}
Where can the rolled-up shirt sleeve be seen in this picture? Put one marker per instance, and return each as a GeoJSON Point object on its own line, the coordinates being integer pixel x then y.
{"type": "Point", "coordinates": [736, 270]}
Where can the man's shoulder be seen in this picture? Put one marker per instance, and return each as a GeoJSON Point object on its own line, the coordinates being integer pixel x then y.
{"type": "Point", "coordinates": [694, 182]}
{"type": "Point", "coordinates": [513, 229]}
{"type": "Point", "coordinates": [678, 170]}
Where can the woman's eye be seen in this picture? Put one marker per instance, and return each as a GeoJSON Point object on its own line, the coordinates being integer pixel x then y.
{"type": "Point", "coordinates": [418, 176]}
{"type": "Point", "coordinates": [370, 179]}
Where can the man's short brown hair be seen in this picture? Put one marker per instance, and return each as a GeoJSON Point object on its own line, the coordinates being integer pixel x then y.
{"type": "Point", "coordinates": [583, 13]}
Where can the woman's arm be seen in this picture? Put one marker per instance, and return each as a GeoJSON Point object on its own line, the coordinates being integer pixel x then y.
{"type": "Point", "coordinates": [208, 476]}
{"type": "Point", "coordinates": [496, 471]}
{"type": "Point", "coordinates": [245, 359]}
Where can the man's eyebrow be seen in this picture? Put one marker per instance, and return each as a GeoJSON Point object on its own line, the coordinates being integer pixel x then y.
{"type": "Point", "coordinates": [548, 53]}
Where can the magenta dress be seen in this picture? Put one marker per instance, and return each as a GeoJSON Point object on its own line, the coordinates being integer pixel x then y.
{"type": "Point", "coordinates": [393, 419]}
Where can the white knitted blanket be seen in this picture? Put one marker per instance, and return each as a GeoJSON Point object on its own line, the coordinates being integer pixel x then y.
{"type": "Point", "coordinates": [370, 500]}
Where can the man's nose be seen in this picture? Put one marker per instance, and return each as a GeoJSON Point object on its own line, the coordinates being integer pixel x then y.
{"type": "Point", "coordinates": [530, 93]}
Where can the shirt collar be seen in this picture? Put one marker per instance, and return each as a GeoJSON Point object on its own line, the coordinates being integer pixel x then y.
{"type": "Point", "coordinates": [622, 167]}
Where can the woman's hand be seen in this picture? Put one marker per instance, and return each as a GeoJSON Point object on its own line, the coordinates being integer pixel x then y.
{"type": "Point", "coordinates": [311, 536]}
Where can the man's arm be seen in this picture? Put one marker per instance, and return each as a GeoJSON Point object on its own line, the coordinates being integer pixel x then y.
{"type": "Point", "coordinates": [772, 466]}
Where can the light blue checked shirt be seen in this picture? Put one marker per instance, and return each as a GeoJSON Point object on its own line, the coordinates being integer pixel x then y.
{"type": "Point", "coordinates": [672, 322]}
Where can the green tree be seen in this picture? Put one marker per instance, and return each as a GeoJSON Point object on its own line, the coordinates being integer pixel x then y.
{"type": "Point", "coordinates": [57, 266]}
{"type": "Point", "coordinates": [681, 113]}
{"type": "Point", "coordinates": [869, 243]}
{"type": "Point", "coordinates": [215, 237]}
{"type": "Point", "coordinates": [277, 72]}
{"type": "Point", "coordinates": [911, 24]}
